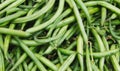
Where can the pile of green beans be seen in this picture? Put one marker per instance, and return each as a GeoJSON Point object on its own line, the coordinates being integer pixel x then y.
{"type": "Point", "coordinates": [59, 35]}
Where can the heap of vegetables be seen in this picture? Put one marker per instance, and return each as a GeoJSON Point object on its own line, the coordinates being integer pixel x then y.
{"type": "Point", "coordinates": [59, 35]}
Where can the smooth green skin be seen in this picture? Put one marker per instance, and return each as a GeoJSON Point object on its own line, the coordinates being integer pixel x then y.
{"type": "Point", "coordinates": [80, 50]}
{"type": "Point", "coordinates": [1, 42]}
{"type": "Point", "coordinates": [105, 42]}
{"type": "Point", "coordinates": [85, 10]}
{"type": "Point", "coordinates": [79, 21]}
{"type": "Point", "coordinates": [104, 4]}
{"type": "Point", "coordinates": [53, 18]}
{"type": "Point", "coordinates": [30, 65]}
{"type": "Point", "coordinates": [65, 51]}
{"type": "Point", "coordinates": [30, 54]}
{"type": "Point", "coordinates": [14, 32]}
{"type": "Point", "coordinates": [67, 62]}
{"type": "Point", "coordinates": [2, 66]}
{"type": "Point", "coordinates": [103, 15]}
{"type": "Point", "coordinates": [27, 42]}
{"type": "Point", "coordinates": [37, 14]}
{"type": "Point", "coordinates": [89, 67]}
{"type": "Point", "coordinates": [60, 56]}
{"type": "Point", "coordinates": [5, 3]}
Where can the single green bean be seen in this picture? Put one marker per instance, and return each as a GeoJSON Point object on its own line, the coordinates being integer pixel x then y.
{"type": "Point", "coordinates": [2, 66]}
{"type": "Point", "coordinates": [25, 66]}
{"type": "Point", "coordinates": [103, 15]}
{"type": "Point", "coordinates": [66, 51]}
{"type": "Point", "coordinates": [89, 68]}
{"type": "Point", "coordinates": [79, 21]}
{"type": "Point", "coordinates": [80, 50]}
{"type": "Point", "coordinates": [14, 32]}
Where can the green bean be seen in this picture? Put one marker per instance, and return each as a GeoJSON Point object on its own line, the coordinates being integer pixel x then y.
{"type": "Point", "coordinates": [105, 53]}
{"type": "Point", "coordinates": [105, 42]}
{"type": "Point", "coordinates": [30, 65]}
{"type": "Point", "coordinates": [14, 32]}
{"type": "Point", "coordinates": [67, 62]}
{"type": "Point", "coordinates": [25, 66]}
{"type": "Point", "coordinates": [103, 15]}
{"type": "Point", "coordinates": [89, 68]}
{"type": "Point", "coordinates": [112, 33]}
{"type": "Point", "coordinates": [113, 16]}
{"type": "Point", "coordinates": [60, 56]}
{"type": "Point", "coordinates": [46, 62]}
{"type": "Point", "coordinates": [27, 42]}
{"type": "Point", "coordinates": [37, 14]}
{"type": "Point", "coordinates": [1, 42]}
{"type": "Point", "coordinates": [80, 50]}
{"type": "Point", "coordinates": [2, 66]}
{"type": "Point", "coordinates": [72, 45]}
{"type": "Point", "coordinates": [83, 7]}
{"type": "Point", "coordinates": [80, 23]}
{"type": "Point", "coordinates": [5, 3]}
{"type": "Point", "coordinates": [34, 68]}
{"type": "Point", "coordinates": [31, 55]}
{"type": "Point", "coordinates": [104, 4]}
{"type": "Point", "coordinates": [20, 67]}
{"type": "Point", "coordinates": [65, 51]}
{"type": "Point", "coordinates": [11, 17]}
{"type": "Point", "coordinates": [12, 10]}
{"type": "Point", "coordinates": [41, 26]}
{"type": "Point", "coordinates": [117, 1]}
